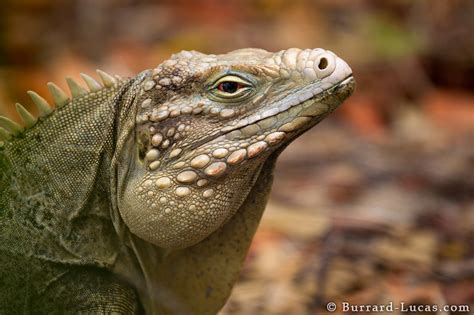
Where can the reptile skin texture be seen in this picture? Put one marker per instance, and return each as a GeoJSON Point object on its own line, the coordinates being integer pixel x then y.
{"type": "Point", "coordinates": [142, 195]}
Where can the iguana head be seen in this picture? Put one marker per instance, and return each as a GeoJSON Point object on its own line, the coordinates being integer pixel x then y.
{"type": "Point", "coordinates": [206, 124]}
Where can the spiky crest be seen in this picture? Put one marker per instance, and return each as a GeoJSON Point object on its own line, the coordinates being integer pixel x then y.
{"type": "Point", "coordinates": [9, 128]}
{"type": "Point", "coordinates": [28, 119]}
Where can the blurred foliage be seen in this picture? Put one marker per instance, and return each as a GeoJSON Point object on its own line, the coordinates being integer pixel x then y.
{"type": "Point", "coordinates": [389, 40]}
{"type": "Point", "coordinates": [376, 204]}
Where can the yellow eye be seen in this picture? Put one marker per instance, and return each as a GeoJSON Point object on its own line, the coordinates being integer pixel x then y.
{"type": "Point", "coordinates": [231, 87]}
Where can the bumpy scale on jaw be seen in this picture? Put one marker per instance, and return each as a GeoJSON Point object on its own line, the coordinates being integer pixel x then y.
{"type": "Point", "coordinates": [200, 147]}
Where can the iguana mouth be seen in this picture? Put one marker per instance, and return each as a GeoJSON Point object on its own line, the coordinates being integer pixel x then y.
{"type": "Point", "coordinates": [345, 88]}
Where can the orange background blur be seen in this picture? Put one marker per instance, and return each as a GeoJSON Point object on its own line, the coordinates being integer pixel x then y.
{"type": "Point", "coordinates": [375, 204]}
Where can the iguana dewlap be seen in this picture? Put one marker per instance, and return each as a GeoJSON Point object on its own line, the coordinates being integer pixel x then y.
{"type": "Point", "coordinates": [143, 194]}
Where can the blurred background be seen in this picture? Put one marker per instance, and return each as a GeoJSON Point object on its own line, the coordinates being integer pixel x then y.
{"type": "Point", "coordinates": [375, 204]}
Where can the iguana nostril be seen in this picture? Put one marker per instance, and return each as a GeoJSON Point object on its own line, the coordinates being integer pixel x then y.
{"type": "Point", "coordinates": [323, 63]}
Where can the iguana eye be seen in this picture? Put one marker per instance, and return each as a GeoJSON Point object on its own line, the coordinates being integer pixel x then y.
{"type": "Point", "coordinates": [231, 88]}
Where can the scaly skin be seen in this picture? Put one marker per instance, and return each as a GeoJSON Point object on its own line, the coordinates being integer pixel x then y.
{"type": "Point", "coordinates": [144, 195]}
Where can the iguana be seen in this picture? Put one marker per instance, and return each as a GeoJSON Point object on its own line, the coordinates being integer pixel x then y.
{"type": "Point", "coordinates": [142, 195]}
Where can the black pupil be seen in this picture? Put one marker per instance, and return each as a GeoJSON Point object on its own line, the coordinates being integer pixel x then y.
{"type": "Point", "coordinates": [230, 87]}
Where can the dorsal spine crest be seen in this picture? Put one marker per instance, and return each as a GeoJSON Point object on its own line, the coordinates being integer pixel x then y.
{"type": "Point", "coordinates": [10, 129]}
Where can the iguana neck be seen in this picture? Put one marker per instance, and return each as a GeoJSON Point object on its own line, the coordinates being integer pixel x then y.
{"type": "Point", "coordinates": [59, 176]}
{"type": "Point", "coordinates": [198, 279]}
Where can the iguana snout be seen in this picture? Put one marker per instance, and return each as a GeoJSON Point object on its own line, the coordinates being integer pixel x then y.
{"type": "Point", "coordinates": [205, 125]}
